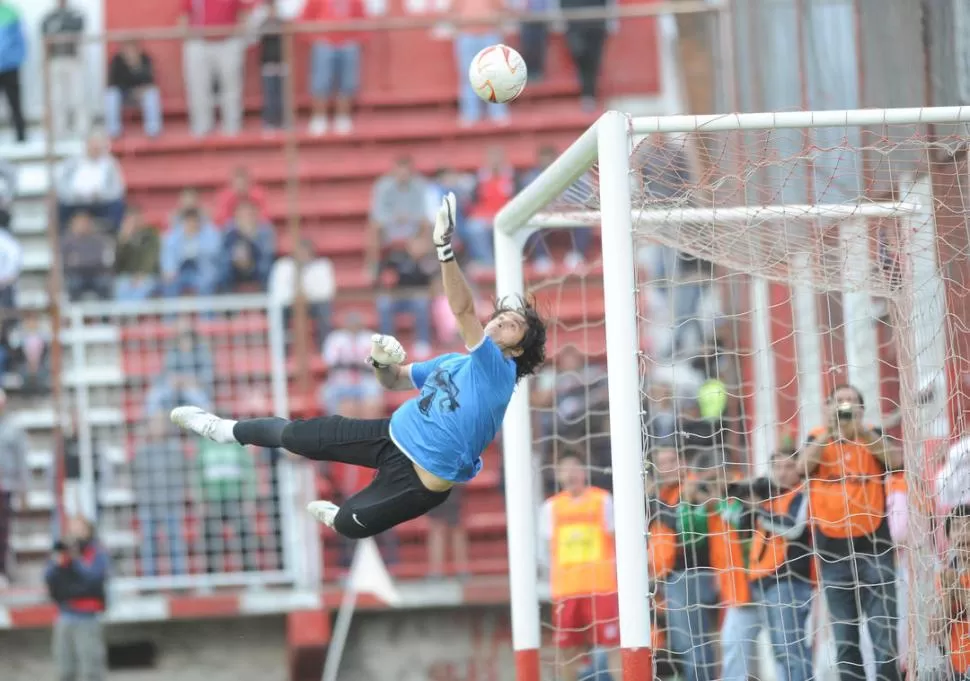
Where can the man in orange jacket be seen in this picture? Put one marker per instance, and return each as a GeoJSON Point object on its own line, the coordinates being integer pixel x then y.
{"type": "Point", "coordinates": [846, 464]}
{"type": "Point", "coordinates": [680, 548]}
{"type": "Point", "coordinates": [780, 567]}
{"type": "Point", "coordinates": [577, 527]}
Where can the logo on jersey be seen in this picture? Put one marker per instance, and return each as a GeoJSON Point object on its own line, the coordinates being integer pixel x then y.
{"type": "Point", "coordinates": [439, 387]}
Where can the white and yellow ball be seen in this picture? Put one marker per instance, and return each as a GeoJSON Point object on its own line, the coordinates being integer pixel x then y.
{"type": "Point", "coordinates": [498, 73]}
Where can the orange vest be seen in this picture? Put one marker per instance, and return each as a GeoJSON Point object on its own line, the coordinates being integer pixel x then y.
{"type": "Point", "coordinates": [662, 544]}
{"type": "Point", "coordinates": [960, 638]}
{"type": "Point", "coordinates": [727, 557]}
{"type": "Point", "coordinates": [583, 553]}
{"type": "Point", "coordinates": [769, 551]}
{"type": "Point", "coordinates": [841, 503]}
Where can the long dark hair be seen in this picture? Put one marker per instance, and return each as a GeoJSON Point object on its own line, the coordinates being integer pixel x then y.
{"type": "Point", "coordinates": [533, 343]}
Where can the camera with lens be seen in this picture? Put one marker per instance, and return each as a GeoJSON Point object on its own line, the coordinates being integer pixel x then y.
{"type": "Point", "coordinates": [758, 488]}
{"type": "Point", "coordinates": [845, 411]}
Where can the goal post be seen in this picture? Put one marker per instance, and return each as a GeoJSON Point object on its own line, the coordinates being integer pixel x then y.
{"type": "Point", "coordinates": [772, 243]}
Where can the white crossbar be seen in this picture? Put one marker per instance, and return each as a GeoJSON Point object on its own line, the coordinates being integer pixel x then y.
{"type": "Point", "coordinates": [732, 215]}
{"type": "Point", "coordinates": [801, 119]}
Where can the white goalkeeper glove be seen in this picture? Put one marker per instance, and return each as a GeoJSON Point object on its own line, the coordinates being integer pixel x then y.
{"type": "Point", "coordinates": [444, 228]}
{"type": "Point", "coordinates": [385, 351]}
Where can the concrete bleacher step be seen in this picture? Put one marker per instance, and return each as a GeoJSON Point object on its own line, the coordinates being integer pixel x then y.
{"type": "Point", "coordinates": [43, 417]}
{"type": "Point", "coordinates": [40, 542]}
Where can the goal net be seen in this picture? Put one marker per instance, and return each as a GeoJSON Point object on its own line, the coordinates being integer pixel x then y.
{"type": "Point", "coordinates": [764, 281]}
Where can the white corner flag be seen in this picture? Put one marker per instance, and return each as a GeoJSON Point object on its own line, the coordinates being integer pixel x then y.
{"type": "Point", "coordinates": [368, 574]}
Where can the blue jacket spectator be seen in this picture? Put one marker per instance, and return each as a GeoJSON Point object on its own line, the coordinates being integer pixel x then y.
{"type": "Point", "coordinates": [249, 249]}
{"type": "Point", "coordinates": [13, 51]}
{"type": "Point", "coordinates": [13, 45]}
{"type": "Point", "coordinates": [77, 577]}
{"type": "Point", "coordinates": [190, 256]}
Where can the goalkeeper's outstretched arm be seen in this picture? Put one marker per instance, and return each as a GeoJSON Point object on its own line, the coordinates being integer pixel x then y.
{"type": "Point", "coordinates": [461, 300]}
{"type": "Point", "coordinates": [395, 377]}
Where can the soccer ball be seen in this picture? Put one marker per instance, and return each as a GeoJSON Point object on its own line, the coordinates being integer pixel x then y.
{"type": "Point", "coordinates": [498, 74]}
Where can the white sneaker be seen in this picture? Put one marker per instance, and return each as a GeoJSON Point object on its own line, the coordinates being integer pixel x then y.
{"type": "Point", "coordinates": [318, 126]}
{"type": "Point", "coordinates": [203, 423]}
{"type": "Point", "coordinates": [343, 125]}
{"type": "Point", "coordinates": [323, 511]}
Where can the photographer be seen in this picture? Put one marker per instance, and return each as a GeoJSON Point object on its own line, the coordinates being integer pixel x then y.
{"type": "Point", "coordinates": [780, 565]}
{"type": "Point", "coordinates": [76, 581]}
{"type": "Point", "coordinates": [680, 514]}
{"type": "Point", "coordinates": [846, 464]}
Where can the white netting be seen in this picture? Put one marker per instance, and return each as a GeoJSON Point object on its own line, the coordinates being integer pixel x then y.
{"type": "Point", "coordinates": [772, 267]}
{"type": "Point", "coordinates": [176, 511]}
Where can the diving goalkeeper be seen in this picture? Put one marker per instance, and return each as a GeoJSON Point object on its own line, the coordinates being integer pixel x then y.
{"type": "Point", "coordinates": [434, 440]}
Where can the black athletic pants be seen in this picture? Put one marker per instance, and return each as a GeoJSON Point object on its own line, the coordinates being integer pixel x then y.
{"type": "Point", "coordinates": [10, 86]}
{"type": "Point", "coordinates": [585, 40]}
{"type": "Point", "coordinates": [395, 495]}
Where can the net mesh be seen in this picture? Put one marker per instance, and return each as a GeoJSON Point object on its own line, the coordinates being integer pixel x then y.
{"type": "Point", "coordinates": [772, 267]}
{"type": "Point", "coordinates": [175, 511]}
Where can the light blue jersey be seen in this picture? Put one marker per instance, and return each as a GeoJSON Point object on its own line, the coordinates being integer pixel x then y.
{"type": "Point", "coordinates": [460, 408]}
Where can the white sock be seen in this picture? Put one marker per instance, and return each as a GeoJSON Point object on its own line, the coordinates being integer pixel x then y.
{"type": "Point", "coordinates": [223, 431]}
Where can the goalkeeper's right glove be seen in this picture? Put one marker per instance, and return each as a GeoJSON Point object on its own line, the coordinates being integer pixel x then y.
{"type": "Point", "coordinates": [444, 228]}
{"type": "Point", "coordinates": [385, 351]}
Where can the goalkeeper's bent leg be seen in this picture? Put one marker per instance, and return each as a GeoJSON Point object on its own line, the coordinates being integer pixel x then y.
{"type": "Point", "coordinates": [262, 432]}
{"type": "Point", "coordinates": [394, 496]}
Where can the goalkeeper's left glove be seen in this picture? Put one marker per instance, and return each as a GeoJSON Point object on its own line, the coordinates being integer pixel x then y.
{"type": "Point", "coordinates": [385, 351]}
{"type": "Point", "coordinates": [444, 228]}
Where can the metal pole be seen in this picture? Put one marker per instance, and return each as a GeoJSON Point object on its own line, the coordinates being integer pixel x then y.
{"type": "Point", "coordinates": [55, 285]}
{"type": "Point", "coordinates": [622, 356]}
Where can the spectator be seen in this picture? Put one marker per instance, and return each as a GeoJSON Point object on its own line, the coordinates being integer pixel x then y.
{"type": "Point", "coordinates": [334, 64]}
{"type": "Point", "coordinates": [190, 256]}
{"type": "Point", "coordinates": [534, 39]}
{"type": "Point", "coordinates": [680, 559]}
{"type": "Point", "coordinates": [586, 39]}
{"type": "Point", "coordinates": [137, 258]}
{"type": "Point", "coordinates": [92, 182]}
{"type": "Point", "coordinates": [159, 475]}
{"type": "Point", "coordinates": [131, 80]}
{"type": "Point", "coordinates": [407, 275]}
{"type": "Point", "coordinates": [576, 526]}
{"type": "Point", "coordinates": [189, 199]}
{"type": "Point", "coordinates": [579, 236]}
{"type": "Point", "coordinates": [954, 583]}
{"type": "Point", "coordinates": [188, 373]}
{"type": "Point", "coordinates": [846, 463]}
{"type": "Point", "coordinates": [30, 344]}
{"type": "Point", "coordinates": [11, 261]}
{"type": "Point", "coordinates": [69, 109]}
{"type": "Point", "coordinates": [248, 250]}
{"type": "Point", "coordinates": [445, 527]}
{"type": "Point", "coordinates": [781, 566]}
{"type": "Point", "coordinates": [496, 185]}
{"type": "Point", "coordinates": [661, 411]}
{"type": "Point", "coordinates": [398, 210]}
{"type": "Point", "coordinates": [227, 484]}
{"type": "Point", "coordinates": [13, 52]}
{"type": "Point", "coordinates": [446, 180]}
{"type": "Point", "coordinates": [317, 282]}
{"type": "Point", "coordinates": [88, 257]}
{"type": "Point", "coordinates": [469, 41]}
{"type": "Point", "coordinates": [207, 59]}
{"type": "Point", "coordinates": [9, 176]}
{"type": "Point", "coordinates": [350, 390]}
{"type": "Point", "coordinates": [13, 479]}
{"type": "Point", "coordinates": [574, 396]}
{"type": "Point", "coordinates": [273, 67]}
{"type": "Point", "coordinates": [77, 577]}
{"type": "Point", "coordinates": [240, 189]}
